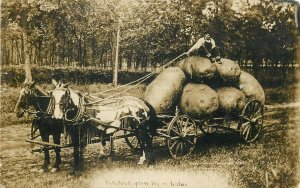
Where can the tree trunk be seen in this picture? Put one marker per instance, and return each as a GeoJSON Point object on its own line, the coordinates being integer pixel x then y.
{"type": "Point", "coordinates": [4, 52]}
{"type": "Point", "coordinates": [69, 53]}
{"type": "Point", "coordinates": [101, 58]}
{"type": "Point", "coordinates": [18, 55]}
{"type": "Point", "coordinates": [79, 50]}
{"type": "Point", "coordinates": [84, 53]}
{"type": "Point", "coordinates": [27, 65]}
{"type": "Point", "coordinates": [94, 50]}
{"type": "Point", "coordinates": [12, 52]}
{"type": "Point", "coordinates": [23, 46]}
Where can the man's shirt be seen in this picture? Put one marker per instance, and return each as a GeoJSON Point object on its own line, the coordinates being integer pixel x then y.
{"type": "Point", "coordinates": [203, 42]}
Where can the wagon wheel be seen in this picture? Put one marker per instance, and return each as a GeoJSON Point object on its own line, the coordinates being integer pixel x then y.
{"type": "Point", "coordinates": [130, 123]}
{"type": "Point", "coordinates": [251, 120]}
{"type": "Point", "coordinates": [205, 127]}
{"type": "Point", "coordinates": [182, 132]}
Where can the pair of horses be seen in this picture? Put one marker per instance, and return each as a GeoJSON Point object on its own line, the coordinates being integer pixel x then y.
{"type": "Point", "coordinates": [64, 110]}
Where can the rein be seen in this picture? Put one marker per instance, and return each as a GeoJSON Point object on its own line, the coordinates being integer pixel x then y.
{"type": "Point", "coordinates": [29, 99]}
{"type": "Point", "coordinates": [80, 108]}
{"type": "Point", "coordinates": [134, 83]}
{"type": "Point", "coordinates": [79, 114]}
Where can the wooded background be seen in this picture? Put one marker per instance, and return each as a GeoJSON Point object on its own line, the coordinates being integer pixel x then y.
{"type": "Point", "coordinates": [83, 33]}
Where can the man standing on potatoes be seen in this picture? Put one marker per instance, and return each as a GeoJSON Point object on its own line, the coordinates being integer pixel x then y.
{"type": "Point", "coordinates": [206, 47]}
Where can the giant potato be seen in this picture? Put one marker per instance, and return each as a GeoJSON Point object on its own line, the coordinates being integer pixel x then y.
{"type": "Point", "coordinates": [197, 68]}
{"type": "Point", "coordinates": [228, 69]}
{"type": "Point", "coordinates": [198, 100]}
{"type": "Point", "coordinates": [164, 91]}
{"type": "Point", "coordinates": [251, 87]}
{"type": "Point", "coordinates": [231, 100]}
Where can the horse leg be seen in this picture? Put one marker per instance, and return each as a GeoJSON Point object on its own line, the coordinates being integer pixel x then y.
{"type": "Point", "coordinates": [102, 136]}
{"type": "Point", "coordinates": [75, 142]}
{"type": "Point", "coordinates": [45, 138]}
{"type": "Point", "coordinates": [82, 145]}
{"type": "Point", "coordinates": [111, 150]}
{"type": "Point", "coordinates": [149, 149]}
{"type": "Point", "coordinates": [56, 139]}
{"type": "Point", "coordinates": [75, 145]}
{"type": "Point", "coordinates": [142, 147]}
{"type": "Point", "coordinates": [146, 146]}
{"type": "Point", "coordinates": [78, 149]}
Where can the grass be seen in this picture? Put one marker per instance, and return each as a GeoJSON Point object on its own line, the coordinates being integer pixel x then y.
{"type": "Point", "coordinates": [281, 94]}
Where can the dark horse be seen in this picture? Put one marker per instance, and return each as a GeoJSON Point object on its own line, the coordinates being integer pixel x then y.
{"type": "Point", "coordinates": [76, 130]}
{"type": "Point", "coordinates": [73, 107]}
{"type": "Point", "coordinates": [31, 95]}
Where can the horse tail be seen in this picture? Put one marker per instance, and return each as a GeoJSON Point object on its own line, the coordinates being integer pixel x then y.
{"type": "Point", "coordinates": [152, 121]}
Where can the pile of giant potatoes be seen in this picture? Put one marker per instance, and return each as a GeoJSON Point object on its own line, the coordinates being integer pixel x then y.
{"type": "Point", "coordinates": [201, 88]}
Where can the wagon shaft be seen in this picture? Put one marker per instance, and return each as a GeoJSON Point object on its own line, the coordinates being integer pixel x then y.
{"type": "Point", "coordinates": [44, 143]}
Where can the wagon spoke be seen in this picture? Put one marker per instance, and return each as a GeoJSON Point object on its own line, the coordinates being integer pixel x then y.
{"type": "Point", "coordinates": [181, 120]}
{"type": "Point", "coordinates": [254, 110]}
{"type": "Point", "coordinates": [175, 137]}
{"type": "Point", "coordinates": [185, 147]}
{"type": "Point", "coordinates": [247, 111]}
{"type": "Point", "coordinates": [177, 149]}
{"type": "Point", "coordinates": [187, 123]}
{"type": "Point", "coordinates": [255, 105]}
{"type": "Point", "coordinates": [247, 127]}
{"type": "Point", "coordinates": [246, 118]}
{"type": "Point", "coordinates": [175, 131]}
{"type": "Point", "coordinates": [259, 110]}
{"type": "Point", "coordinates": [252, 107]}
{"type": "Point", "coordinates": [246, 123]}
{"type": "Point", "coordinates": [245, 130]}
{"type": "Point", "coordinates": [181, 148]}
{"type": "Point", "coordinates": [189, 141]}
{"type": "Point", "coordinates": [172, 146]}
{"type": "Point", "coordinates": [259, 117]}
{"type": "Point", "coordinates": [247, 133]}
{"type": "Point", "coordinates": [178, 127]}
{"type": "Point", "coordinates": [183, 125]}
{"type": "Point", "coordinates": [188, 129]}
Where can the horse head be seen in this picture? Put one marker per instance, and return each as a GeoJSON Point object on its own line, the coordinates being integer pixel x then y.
{"type": "Point", "coordinates": [65, 102]}
{"type": "Point", "coordinates": [25, 98]}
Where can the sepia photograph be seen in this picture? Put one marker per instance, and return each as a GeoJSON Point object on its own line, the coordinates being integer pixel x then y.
{"type": "Point", "coordinates": [150, 94]}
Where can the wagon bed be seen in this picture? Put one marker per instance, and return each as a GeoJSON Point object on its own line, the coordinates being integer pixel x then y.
{"type": "Point", "coordinates": [181, 130]}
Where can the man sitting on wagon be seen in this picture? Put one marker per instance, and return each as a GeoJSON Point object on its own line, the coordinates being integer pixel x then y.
{"type": "Point", "coordinates": [206, 47]}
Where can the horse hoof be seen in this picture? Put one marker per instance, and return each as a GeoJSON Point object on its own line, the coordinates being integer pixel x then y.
{"type": "Point", "coordinates": [151, 167]}
{"type": "Point", "coordinates": [43, 169]}
{"type": "Point", "coordinates": [74, 173]}
{"type": "Point", "coordinates": [142, 160]}
{"type": "Point", "coordinates": [54, 169]}
{"type": "Point", "coordinates": [103, 154]}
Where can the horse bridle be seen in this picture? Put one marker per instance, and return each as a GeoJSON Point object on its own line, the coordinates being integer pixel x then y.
{"type": "Point", "coordinates": [26, 99]}
{"type": "Point", "coordinates": [68, 102]}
